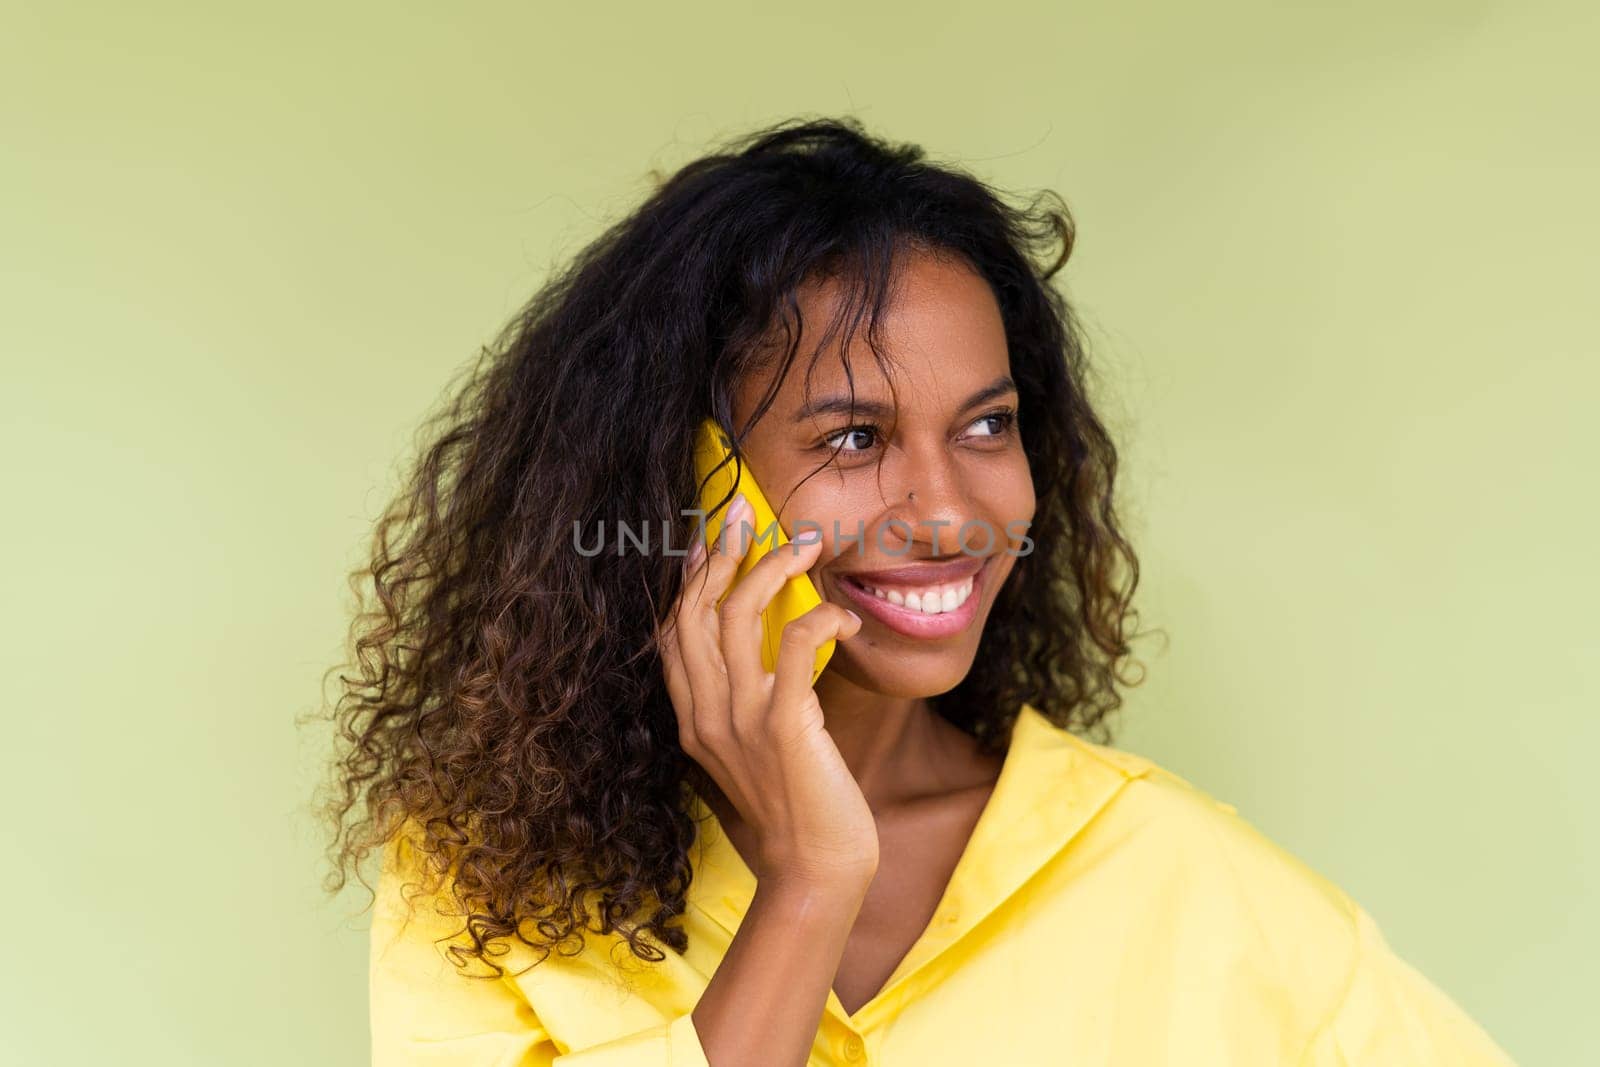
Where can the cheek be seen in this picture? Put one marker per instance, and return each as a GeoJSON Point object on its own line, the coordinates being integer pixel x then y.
{"type": "Point", "coordinates": [841, 517]}
{"type": "Point", "coordinates": [1008, 497]}
{"type": "Point", "coordinates": [1002, 499]}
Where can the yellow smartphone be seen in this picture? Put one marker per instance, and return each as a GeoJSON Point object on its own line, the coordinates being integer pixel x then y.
{"type": "Point", "coordinates": [799, 594]}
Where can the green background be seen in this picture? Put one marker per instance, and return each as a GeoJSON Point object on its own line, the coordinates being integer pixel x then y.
{"type": "Point", "coordinates": [1337, 262]}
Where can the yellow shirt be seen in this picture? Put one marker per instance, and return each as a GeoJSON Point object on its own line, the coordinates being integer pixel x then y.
{"type": "Point", "coordinates": [1105, 911]}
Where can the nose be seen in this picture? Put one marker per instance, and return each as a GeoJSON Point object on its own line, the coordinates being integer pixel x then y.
{"type": "Point", "coordinates": [928, 500]}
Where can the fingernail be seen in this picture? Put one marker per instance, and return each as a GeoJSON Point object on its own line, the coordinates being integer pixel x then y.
{"type": "Point", "coordinates": [852, 614]}
{"type": "Point", "coordinates": [696, 554]}
{"type": "Point", "coordinates": [808, 536]}
{"type": "Point", "coordinates": [739, 505]}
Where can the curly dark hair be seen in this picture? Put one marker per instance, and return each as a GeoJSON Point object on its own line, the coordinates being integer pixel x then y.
{"type": "Point", "coordinates": [508, 709]}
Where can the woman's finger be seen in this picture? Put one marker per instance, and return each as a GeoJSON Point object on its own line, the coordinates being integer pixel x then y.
{"type": "Point", "coordinates": [797, 657]}
{"type": "Point", "coordinates": [743, 632]}
{"type": "Point", "coordinates": [699, 630]}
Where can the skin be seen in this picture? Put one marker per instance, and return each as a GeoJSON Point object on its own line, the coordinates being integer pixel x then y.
{"type": "Point", "coordinates": [852, 800]}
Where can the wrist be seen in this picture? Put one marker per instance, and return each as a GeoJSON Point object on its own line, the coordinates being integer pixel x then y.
{"type": "Point", "coordinates": [806, 893]}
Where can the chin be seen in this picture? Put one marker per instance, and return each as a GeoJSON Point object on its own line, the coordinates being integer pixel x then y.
{"type": "Point", "coordinates": [903, 675]}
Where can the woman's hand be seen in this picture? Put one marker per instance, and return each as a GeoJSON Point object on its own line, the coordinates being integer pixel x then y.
{"type": "Point", "coordinates": [760, 735]}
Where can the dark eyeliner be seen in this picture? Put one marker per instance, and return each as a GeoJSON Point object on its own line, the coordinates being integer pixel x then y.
{"type": "Point", "coordinates": [846, 431]}
{"type": "Point", "coordinates": [1006, 416]}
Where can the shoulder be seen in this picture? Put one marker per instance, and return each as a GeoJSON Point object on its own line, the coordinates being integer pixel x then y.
{"type": "Point", "coordinates": [1257, 896]}
{"type": "Point", "coordinates": [1269, 936]}
{"type": "Point", "coordinates": [414, 896]}
{"type": "Point", "coordinates": [1214, 838]}
{"type": "Point", "coordinates": [1212, 832]}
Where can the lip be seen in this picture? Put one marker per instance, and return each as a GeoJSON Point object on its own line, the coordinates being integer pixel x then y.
{"type": "Point", "coordinates": [915, 623]}
{"type": "Point", "coordinates": [922, 575]}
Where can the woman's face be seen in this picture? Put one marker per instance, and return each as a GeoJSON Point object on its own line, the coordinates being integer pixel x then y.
{"type": "Point", "coordinates": [931, 476]}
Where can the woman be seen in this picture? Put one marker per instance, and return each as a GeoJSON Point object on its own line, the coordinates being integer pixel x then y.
{"type": "Point", "coordinates": [636, 845]}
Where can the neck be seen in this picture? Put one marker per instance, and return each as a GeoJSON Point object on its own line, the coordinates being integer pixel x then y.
{"type": "Point", "coordinates": [897, 748]}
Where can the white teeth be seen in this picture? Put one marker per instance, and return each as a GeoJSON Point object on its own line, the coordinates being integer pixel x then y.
{"type": "Point", "coordinates": [934, 601]}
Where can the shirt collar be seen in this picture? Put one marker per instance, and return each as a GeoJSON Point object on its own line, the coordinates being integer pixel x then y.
{"type": "Point", "coordinates": [1051, 784]}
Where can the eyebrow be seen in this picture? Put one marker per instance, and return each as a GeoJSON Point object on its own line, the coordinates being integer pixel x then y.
{"type": "Point", "coordinates": [841, 405]}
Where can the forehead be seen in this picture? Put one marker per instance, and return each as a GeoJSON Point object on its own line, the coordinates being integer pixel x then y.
{"type": "Point", "coordinates": [941, 333]}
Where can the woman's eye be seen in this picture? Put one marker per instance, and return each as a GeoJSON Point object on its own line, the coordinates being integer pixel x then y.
{"type": "Point", "coordinates": [864, 437]}
{"type": "Point", "coordinates": [1000, 422]}
{"type": "Point", "coordinates": [854, 433]}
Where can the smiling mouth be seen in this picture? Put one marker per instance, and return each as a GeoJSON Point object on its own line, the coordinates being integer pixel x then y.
{"type": "Point", "coordinates": [929, 600]}
{"type": "Point", "coordinates": [925, 612]}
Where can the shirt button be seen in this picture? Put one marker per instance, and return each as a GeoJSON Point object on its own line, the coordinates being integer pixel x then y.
{"type": "Point", "coordinates": [854, 1050]}
{"type": "Point", "coordinates": [950, 915]}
